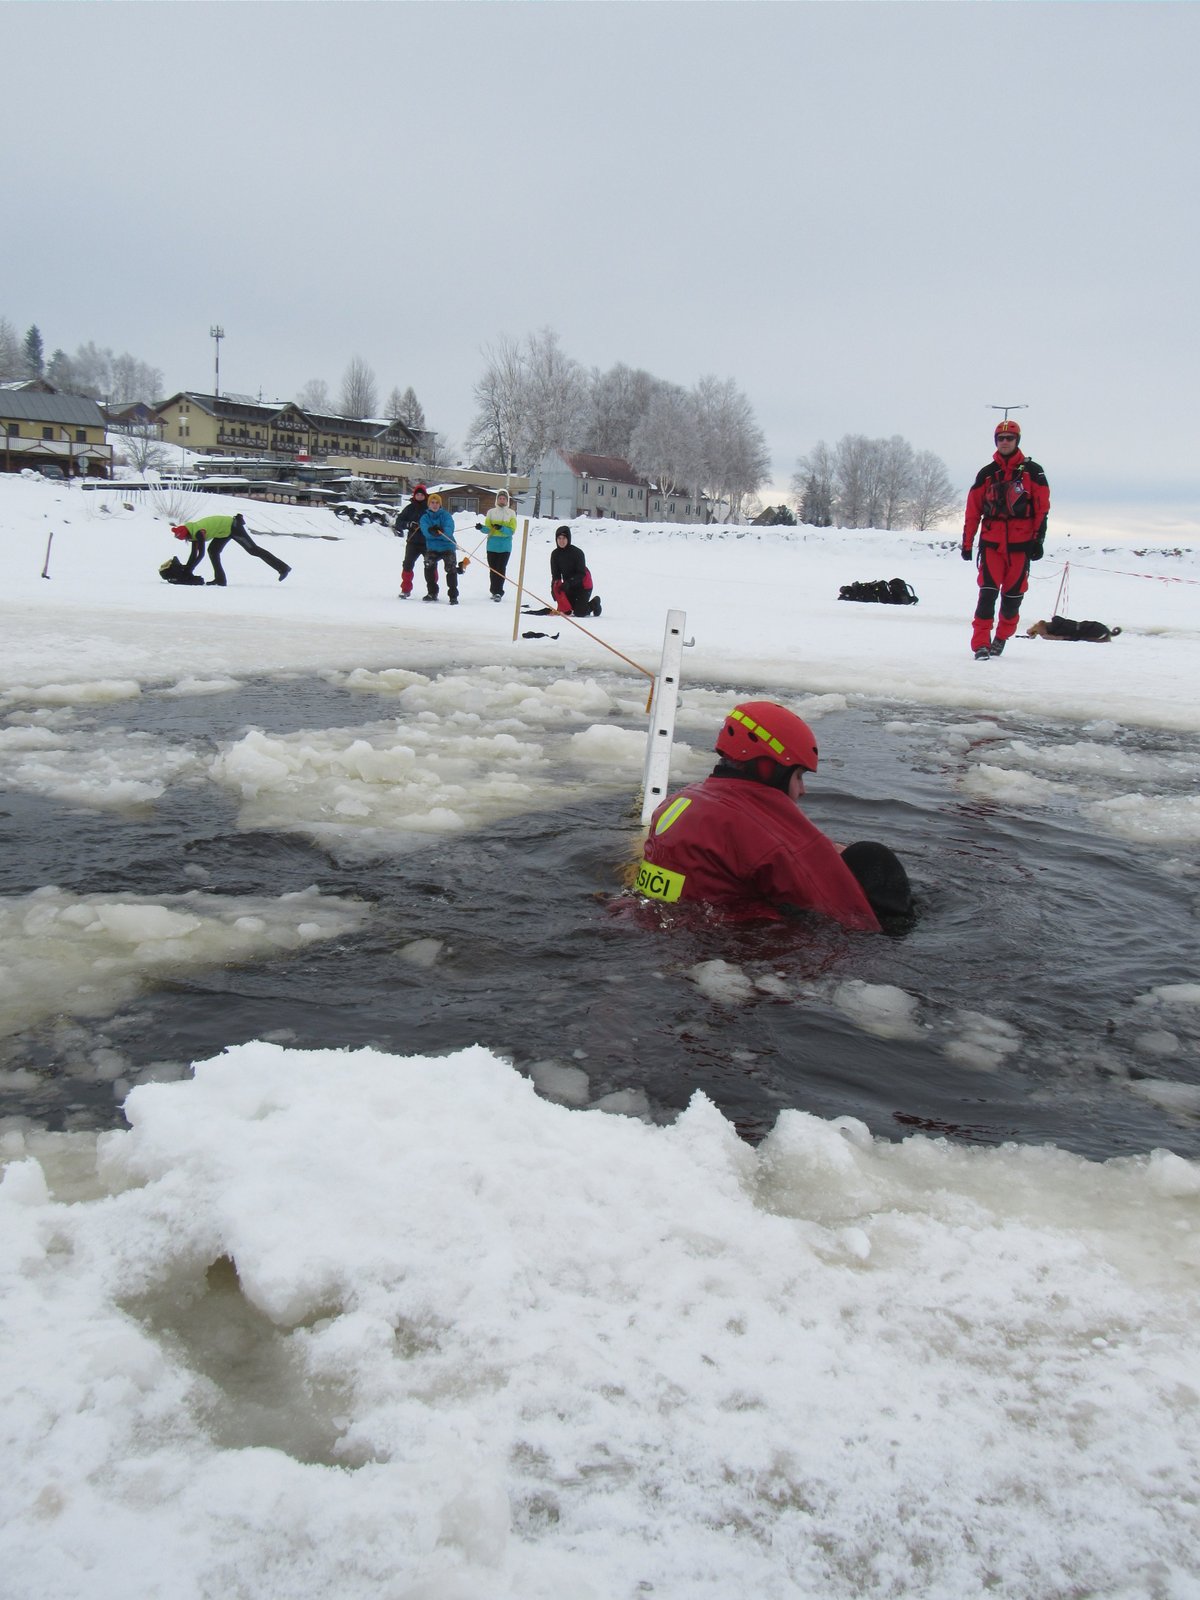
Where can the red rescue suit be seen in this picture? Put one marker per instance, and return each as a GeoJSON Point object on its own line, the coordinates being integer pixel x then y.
{"type": "Point", "coordinates": [752, 852]}
{"type": "Point", "coordinates": [1011, 499]}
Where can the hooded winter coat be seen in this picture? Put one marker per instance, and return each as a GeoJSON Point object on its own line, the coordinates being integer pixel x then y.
{"type": "Point", "coordinates": [500, 524]}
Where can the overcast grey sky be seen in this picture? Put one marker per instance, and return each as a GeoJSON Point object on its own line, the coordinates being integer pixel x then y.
{"type": "Point", "coordinates": [876, 218]}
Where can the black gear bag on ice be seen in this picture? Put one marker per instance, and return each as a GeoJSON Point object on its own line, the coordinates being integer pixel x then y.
{"type": "Point", "coordinates": [884, 592]}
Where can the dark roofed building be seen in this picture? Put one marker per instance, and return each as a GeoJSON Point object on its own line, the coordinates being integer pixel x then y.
{"type": "Point", "coordinates": [43, 427]}
{"type": "Point", "coordinates": [232, 424]}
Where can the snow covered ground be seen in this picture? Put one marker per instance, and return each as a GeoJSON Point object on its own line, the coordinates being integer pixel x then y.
{"type": "Point", "coordinates": [343, 1323]}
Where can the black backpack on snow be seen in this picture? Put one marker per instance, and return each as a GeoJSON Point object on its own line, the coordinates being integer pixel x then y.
{"type": "Point", "coordinates": [883, 591]}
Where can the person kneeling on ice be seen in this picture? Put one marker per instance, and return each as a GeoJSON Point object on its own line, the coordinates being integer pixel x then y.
{"type": "Point", "coordinates": [740, 842]}
{"type": "Point", "coordinates": [570, 580]}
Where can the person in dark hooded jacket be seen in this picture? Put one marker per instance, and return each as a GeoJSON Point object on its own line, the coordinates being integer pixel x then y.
{"type": "Point", "coordinates": [408, 527]}
{"type": "Point", "coordinates": [570, 580]}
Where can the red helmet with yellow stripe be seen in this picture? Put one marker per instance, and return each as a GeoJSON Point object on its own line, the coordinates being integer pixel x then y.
{"type": "Point", "coordinates": [1009, 428]}
{"type": "Point", "coordinates": [760, 729]}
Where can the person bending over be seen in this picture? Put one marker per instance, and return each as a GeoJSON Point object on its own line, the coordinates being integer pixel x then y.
{"type": "Point", "coordinates": [217, 530]}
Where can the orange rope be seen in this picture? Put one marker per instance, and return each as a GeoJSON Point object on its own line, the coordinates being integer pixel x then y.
{"type": "Point", "coordinates": [565, 616]}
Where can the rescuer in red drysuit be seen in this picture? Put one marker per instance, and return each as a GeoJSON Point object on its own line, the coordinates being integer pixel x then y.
{"type": "Point", "coordinates": [1011, 497]}
{"type": "Point", "coordinates": [739, 841]}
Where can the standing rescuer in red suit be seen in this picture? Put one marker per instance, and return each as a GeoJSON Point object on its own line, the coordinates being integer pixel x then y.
{"type": "Point", "coordinates": [1008, 504]}
{"type": "Point", "coordinates": [740, 842]}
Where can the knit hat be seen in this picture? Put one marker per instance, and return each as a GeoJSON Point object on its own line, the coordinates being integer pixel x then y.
{"type": "Point", "coordinates": [882, 878]}
{"type": "Point", "coordinates": [419, 488]}
{"type": "Point", "coordinates": [181, 532]}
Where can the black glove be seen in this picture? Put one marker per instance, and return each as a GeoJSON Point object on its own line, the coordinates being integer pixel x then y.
{"type": "Point", "coordinates": [480, 527]}
{"type": "Point", "coordinates": [966, 555]}
{"type": "Point", "coordinates": [1037, 551]}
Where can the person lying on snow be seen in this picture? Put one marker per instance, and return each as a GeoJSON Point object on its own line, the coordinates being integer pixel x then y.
{"type": "Point", "coordinates": [570, 580]}
{"type": "Point", "coordinates": [740, 842]}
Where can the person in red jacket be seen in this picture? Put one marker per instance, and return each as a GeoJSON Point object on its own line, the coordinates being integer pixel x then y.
{"type": "Point", "coordinates": [740, 842]}
{"type": "Point", "coordinates": [1011, 499]}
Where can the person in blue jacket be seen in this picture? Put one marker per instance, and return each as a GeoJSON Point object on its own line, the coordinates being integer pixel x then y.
{"type": "Point", "coordinates": [500, 524]}
{"type": "Point", "coordinates": [440, 550]}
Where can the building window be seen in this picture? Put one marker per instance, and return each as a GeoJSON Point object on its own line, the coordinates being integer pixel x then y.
{"type": "Point", "coordinates": [658, 505]}
{"type": "Point", "coordinates": [47, 433]}
{"type": "Point", "coordinates": [80, 435]}
{"type": "Point", "coordinates": [629, 492]}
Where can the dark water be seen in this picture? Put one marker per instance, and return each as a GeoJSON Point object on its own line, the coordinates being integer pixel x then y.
{"type": "Point", "coordinates": [1028, 916]}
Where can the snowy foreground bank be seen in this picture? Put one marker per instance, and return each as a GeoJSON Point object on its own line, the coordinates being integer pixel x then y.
{"type": "Point", "coordinates": [342, 1323]}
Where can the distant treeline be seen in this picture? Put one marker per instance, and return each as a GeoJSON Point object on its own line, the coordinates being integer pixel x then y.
{"type": "Point", "coordinates": [872, 483]}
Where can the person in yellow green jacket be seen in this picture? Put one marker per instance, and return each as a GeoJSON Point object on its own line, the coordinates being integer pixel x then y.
{"type": "Point", "coordinates": [500, 524]}
{"type": "Point", "coordinates": [216, 530]}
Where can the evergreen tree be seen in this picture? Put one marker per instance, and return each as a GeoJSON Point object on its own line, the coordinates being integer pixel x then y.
{"type": "Point", "coordinates": [35, 360]}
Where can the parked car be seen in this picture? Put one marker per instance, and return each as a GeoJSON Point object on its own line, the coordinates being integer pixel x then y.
{"type": "Point", "coordinates": [51, 470]}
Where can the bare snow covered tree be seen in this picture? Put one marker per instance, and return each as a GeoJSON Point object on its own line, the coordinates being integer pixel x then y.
{"type": "Point", "coordinates": [853, 487]}
{"type": "Point", "coordinates": [121, 380]}
{"type": "Point", "coordinates": [895, 480]}
{"type": "Point", "coordinates": [61, 372]}
{"type": "Point", "coordinates": [618, 401]}
{"type": "Point", "coordinates": [12, 365]}
{"type": "Point", "coordinates": [665, 444]}
{"type": "Point", "coordinates": [134, 380]}
{"type": "Point", "coordinates": [360, 394]}
{"type": "Point", "coordinates": [406, 408]}
{"type": "Point", "coordinates": [812, 486]}
{"type": "Point", "coordinates": [732, 444]}
{"type": "Point", "coordinates": [557, 397]}
{"type": "Point", "coordinates": [493, 439]}
{"type": "Point", "coordinates": [532, 398]}
{"type": "Point", "coordinates": [141, 448]}
{"type": "Point", "coordinates": [933, 494]}
{"type": "Point", "coordinates": [93, 370]}
{"type": "Point", "coordinates": [871, 483]}
{"type": "Point", "coordinates": [314, 397]}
